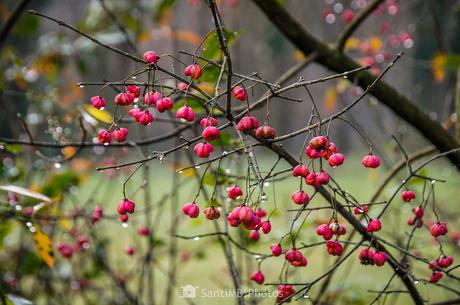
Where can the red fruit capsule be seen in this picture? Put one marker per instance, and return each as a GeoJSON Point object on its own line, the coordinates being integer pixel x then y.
{"type": "Point", "coordinates": [210, 133]}
{"type": "Point", "coordinates": [374, 225]}
{"type": "Point", "coordinates": [164, 104]}
{"type": "Point", "coordinates": [126, 206]}
{"type": "Point", "coordinates": [191, 209]}
{"type": "Point", "coordinates": [206, 122]}
{"type": "Point", "coordinates": [98, 102]}
{"type": "Point", "coordinates": [254, 235]}
{"type": "Point", "coordinates": [240, 93]}
{"type": "Point", "coordinates": [120, 134]}
{"type": "Point", "coordinates": [380, 258]}
{"type": "Point", "coordinates": [212, 213]}
{"type": "Point", "coordinates": [186, 113]}
{"type": "Point", "coordinates": [124, 99]}
{"type": "Point", "coordinates": [234, 192]}
{"type": "Point", "coordinates": [370, 161]}
{"type": "Point", "coordinates": [265, 132]}
{"type": "Point", "coordinates": [151, 57]}
{"type": "Point", "coordinates": [319, 143]}
{"type": "Point", "coordinates": [265, 226]}
{"type": "Point", "coordinates": [143, 231]}
{"type": "Point", "coordinates": [300, 171]}
{"type": "Point", "coordinates": [104, 137]}
{"type": "Point", "coordinates": [300, 197]}
{"type": "Point", "coordinates": [247, 123]}
{"type": "Point", "coordinates": [258, 277]}
{"type": "Point", "coordinates": [276, 249]}
{"type": "Point", "coordinates": [439, 229]}
{"type": "Point", "coordinates": [336, 159]}
{"type": "Point", "coordinates": [194, 71]}
{"type": "Point", "coordinates": [203, 150]}
{"type": "Point", "coordinates": [408, 196]}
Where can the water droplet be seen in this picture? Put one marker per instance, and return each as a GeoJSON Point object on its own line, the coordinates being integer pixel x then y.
{"type": "Point", "coordinates": [32, 229]}
{"type": "Point", "coordinates": [197, 166]}
{"type": "Point", "coordinates": [251, 154]}
{"type": "Point", "coordinates": [117, 168]}
{"type": "Point", "coordinates": [224, 152]}
{"type": "Point", "coordinates": [228, 171]}
{"type": "Point", "coordinates": [124, 225]}
{"type": "Point", "coordinates": [345, 76]}
{"type": "Point", "coordinates": [81, 86]}
{"type": "Point", "coordinates": [196, 238]}
{"type": "Point", "coordinates": [57, 165]}
{"type": "Point", "coordinates": [18, 207]}
{"type": "Point", "coordinates": [106, 144]}
{"type": "Point", "coordinates": [134, 77]}
{"type": "Point", "coordinates": [29, 224]}
{"type": "Point", "coordinates": [306, 296]}
{"type": "Point", "coordinates": [266, 184]}
{"type": "Point", "coordinates": [180, 171]}
{"type": "Point", "coordinates": [433, 181]}
{"type": "Point", "coordinates": [416, 282]}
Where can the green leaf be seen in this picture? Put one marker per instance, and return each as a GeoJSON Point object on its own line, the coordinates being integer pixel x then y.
{"type": "Point", "coordinates": [163, 7]}
{"type": "Point", "coordinates": [209, 179]}
{"type": "Point", "coordinates": [5, 229]}
{"type": "Point", "coordinates": [210, 73]}
{"type": "Point", "coordinates": [211, 46]}
{"type": "Point", "coordinates": [28, 25]}
{"type": "Point", "coordinates": [225, 139]}
{"type": "Point", "coordinates": [194, 104]}
{"type": "Point", "coordinates": [13, 148]}
{"type": "Point", "coordinates": [60, 183]}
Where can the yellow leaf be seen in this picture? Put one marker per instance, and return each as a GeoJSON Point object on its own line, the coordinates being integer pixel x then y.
{"type": "Point", "coordinates": [352, 43]}
{"type": "Point", "coordinates": [143, 37]}
{"type": "Point", "coordinates": [206, 87]}
{"type": "Point", "coordinates": [298, 55]}
{"type": "Point", "coordinates": [100, 115]}
{"type": "Point", "coordinates": [375, 44]}
{"type": "Point", "coordinates": [69, 151]}
{"type": "Point", "coordinates": [438, 66]}
{"type": "Point", "coordinates": [25, 192]}
{"type": "Point", "coordinates": [187, 172]}
{"type": "Point", "coordinates": [330, 99]}
{"type": "Point", "coordinates": [44, 246]}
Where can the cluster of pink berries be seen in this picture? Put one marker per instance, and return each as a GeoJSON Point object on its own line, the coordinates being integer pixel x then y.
{"type": "Point", "coordinates": [369, 257]}
{"type": "Point", "coordinates": [284, 292]}
{"type": "Point", "coordinates": [251, 220]}
{"type": "Point", "coordinates": [67, 250]}
{"type": "Point", "coordinates": [436, 265]}
{"type": "Point", "coordinates": [96, 215]}
{"type": "Point", "coordinates": [329, 230]}
{"type": "Point", "coordinates": [210, 133]}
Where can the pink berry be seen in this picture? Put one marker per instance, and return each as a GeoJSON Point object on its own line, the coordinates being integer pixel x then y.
{"type": "Point", "coordinates": [363, 209]}
{"type": "Point", "coordinates": [145, 118]}
{"type": "Point", "coordinates": [194, 71]}
{"type": "Point", "coordinates": [408, 196]}
{"type": "Point", "coordinates": [98, 102]}
{"type": "Point", "coordinates": [124, 99]}
{"type": "Point", "coordinates": [334, 248]}
{"type": "Point", "coordinates": [240, 93]}
{"type": "Point", "coordinates": [435, 277]}
{"type": "Point", "coordinates": [120, 134]}
{"type": "Point", "coordinates": [186, 113]}
{"type": "Point", "coordinates": [265, 226]}
{"type": "Point", "coordinates": [152, 97]}
{"type": "Point", "coordinates": [300, 171]}
{"type": "Point", "coordinates": [247, 123]}
{"type": "Point", "coordinates": [203, 150]}
{"type": "Point", "coordinates": [322, 178]}
{"type": "Point", "coordinates": [418, 211]}
{"type": "Point", "coordinates": [134, 90]}
{"type": "Point", "coordinates": [348, 15]}
{"type": "Point", "coordinates": [97, 214]}
{"type": "Point", "coordinates": [130, 251]}
{"type": "Point", "coordinates": [164, 104]}
{"type": "Point", "coordinates": [104, 137]}
{"type": "Point", "coordinates": [143, 231]}
{"type": "Point", "coordinates": [366, 256]}
{"type": "Point", "coordinates": [370, 161]}
{"type": "Point", "coordinates": [191, 209]}
{"type": "Point", "coordinates": [207, 122]}
{"type": "Point", "coordinates": [126, 206]}
{"type": "Point", "coordinates": [124, 218]}
{"type": "Point", "coordinates": [300, 197]}
{"type": "Point", "coordinates": [261, 212]}
{"type": "Point", "coordinates": [276, 249]}
{"type": "Point", "coordinates": [380, 258]}
{"type": "Point", "coordinates": [319, 143]}
{"type": "Point", "coordinates": [151, 57]}
{"type": "Point", "coordinates": [210, 133]}
{"type": "Point", "coordinates": [312, 153]}
{"type": "Point", "coordinates": [439, 229]}
{"type": "Point", "coordinates": [254, 235]}
{"type": "Point", "coordinates": [374, 225]}
{"type": "Point", "coordinates": [336, 159]}
{"type": "Point", "coordinates": [265, 132]}
{"type": "Point", "coordinates": [234, 192]}
{"type": "Point", "coordinates": [65, 250]}
{"type": "Point", "coordinates": [258, 277]}
{"type": "Point", "coordinates": [212, 213]}
{"type": "Point", "coordinates": [284, 293]}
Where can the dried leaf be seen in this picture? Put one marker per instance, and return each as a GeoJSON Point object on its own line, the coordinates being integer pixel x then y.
{"type": "Point", "coordinates": [44, 246]}
{"type": "Point", "coordinates": [330, 99]}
